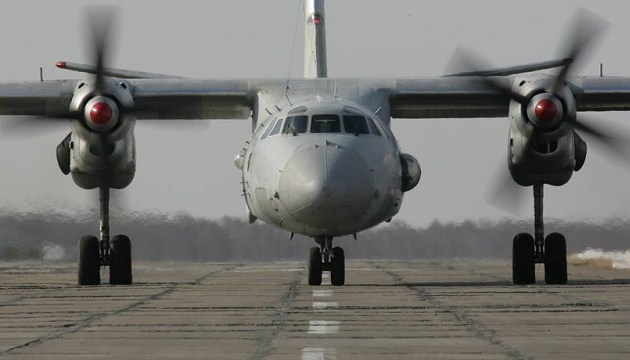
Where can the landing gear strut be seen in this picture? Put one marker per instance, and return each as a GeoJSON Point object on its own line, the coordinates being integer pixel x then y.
{"type": "Point", "coordinates": [326, 258]}
{"type": "Point", "coordinates": [94, 253]}
{"type": "Point", "coordinates": [527, 251]}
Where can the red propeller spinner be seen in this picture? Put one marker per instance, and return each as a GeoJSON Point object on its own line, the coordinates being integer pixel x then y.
{"type": "Point", "coordinates": [544, 111]}
{"type": "Point", "coordinates": [101, 113]}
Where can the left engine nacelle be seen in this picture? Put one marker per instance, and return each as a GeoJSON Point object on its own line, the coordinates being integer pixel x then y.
{"type": "Point", "coordinates": [410, 172]}
{"type": "Point", "coordinates": [100, 151]}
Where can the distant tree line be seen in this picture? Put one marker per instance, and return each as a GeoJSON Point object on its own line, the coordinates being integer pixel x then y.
{"type": "Point", "coordinates": [183, 237]}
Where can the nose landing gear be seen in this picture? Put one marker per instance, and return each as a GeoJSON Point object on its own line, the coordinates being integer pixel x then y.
{"type": "Point", "coordinates": [326, 258]}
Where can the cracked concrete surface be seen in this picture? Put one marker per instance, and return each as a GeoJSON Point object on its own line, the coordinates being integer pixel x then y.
{"type": "Point", "coordinates": [452, 309]}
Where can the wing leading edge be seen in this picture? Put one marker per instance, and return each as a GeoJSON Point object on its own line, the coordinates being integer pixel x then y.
{"type": "Point", "coordinates": [441, 97]}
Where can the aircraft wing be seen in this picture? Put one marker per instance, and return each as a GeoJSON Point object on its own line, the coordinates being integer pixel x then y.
{"type": "Point", "coordinates": [447, 97]}
{"type": "Point", "coordinates": [193, 99]}
{"type": "Point", "coordinates": [602, 93]}
{"type": "Point", "coordinates": [36, 98]}
{"type": "Point", "coordinates": [154, 99]}
{"type": "Point", "coordinates": [468, 97]}
{"type": "Point", "coordinates": [439, 97]}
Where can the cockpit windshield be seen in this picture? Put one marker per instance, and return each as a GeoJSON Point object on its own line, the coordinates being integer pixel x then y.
{"type": "Point", "coordinates": [295, 125]}
{"type": "Point", "coordinates": [325, 124]}
{"type": "Point", "coordinates": [355, 124]}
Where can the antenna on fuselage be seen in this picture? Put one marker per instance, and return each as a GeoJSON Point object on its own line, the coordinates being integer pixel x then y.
{"type": "Point", "coordinates": [315, 65]}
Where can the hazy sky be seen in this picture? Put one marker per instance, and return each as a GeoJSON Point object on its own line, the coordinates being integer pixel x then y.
{"type": "Point", "coordinates": [187, 166]}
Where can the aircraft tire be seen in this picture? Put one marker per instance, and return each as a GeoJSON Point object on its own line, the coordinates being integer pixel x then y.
{"type": "Point", "coordinates": [523, 260]}
{"type": "Point", "coordinates": [555, 259]}
{"type": "Point", "coordinates": [89, 272]}
{"type": "Point", "coordinates": [315, 267]}
{"type": "Point", "coordinates": [338, 267]}
{"type": "Point", "coordinates": [120, 261]}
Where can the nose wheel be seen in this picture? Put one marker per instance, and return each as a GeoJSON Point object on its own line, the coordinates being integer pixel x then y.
{"type": "Point", "coordinates": [326, 258]}
{"type": "Point", "coordinates": [528, 250]}
{"type": "Point", "coordinates": [94, 253]}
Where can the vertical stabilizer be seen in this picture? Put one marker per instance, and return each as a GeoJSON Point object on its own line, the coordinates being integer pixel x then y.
{"type": "Point", "coordinates": [315, 40]}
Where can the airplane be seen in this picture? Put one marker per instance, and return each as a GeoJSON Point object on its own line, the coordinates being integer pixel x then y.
{"type": "Point", "coordinates": [322, 160]}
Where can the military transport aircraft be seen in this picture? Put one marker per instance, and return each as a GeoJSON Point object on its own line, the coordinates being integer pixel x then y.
{"type": "Point", "coordinates": [322, 160]}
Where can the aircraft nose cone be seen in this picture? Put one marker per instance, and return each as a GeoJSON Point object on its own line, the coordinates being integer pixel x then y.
{"type": "Point", "coordinates": [326, 186]}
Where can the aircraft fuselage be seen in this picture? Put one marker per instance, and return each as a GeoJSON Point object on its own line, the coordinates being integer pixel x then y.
{"type": "Point", "coordinates": [326, 167]}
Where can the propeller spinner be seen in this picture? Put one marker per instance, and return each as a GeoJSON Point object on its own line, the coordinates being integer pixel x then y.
{"type": "Point", "coordinates": [101, 113]}
{"type": "Point", "coordinates": [545, 111]}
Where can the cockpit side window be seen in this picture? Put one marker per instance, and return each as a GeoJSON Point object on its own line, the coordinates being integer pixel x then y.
{"type": "Point", "coordinates": [268, 130]}
{"type": "Point", "coordinates": [373, 129]}
{"type": "Point", "coordinates": [295, 125]}
{"type": "Point", "coordinates": [325, 124]}
{"type": "Point", "coordinates": [355, 124]}
{"type": "Point", "coordinates": [276, 128]}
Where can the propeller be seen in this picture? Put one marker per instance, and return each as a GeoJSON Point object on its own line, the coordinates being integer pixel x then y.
{"type": "Point", "coordinates": [504, 193]}
{"type": "Point", "coordinates": [101, 20]}
{"type": "Point", "coordinates": [545, 110]}
{"type": "Point", "coordinates": [102, 113]}
{"type": "Point", "coordinates": [587, 28]}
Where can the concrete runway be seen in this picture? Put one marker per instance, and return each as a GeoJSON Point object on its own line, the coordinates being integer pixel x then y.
{"type": "Point", "coordinates": [388, 310]}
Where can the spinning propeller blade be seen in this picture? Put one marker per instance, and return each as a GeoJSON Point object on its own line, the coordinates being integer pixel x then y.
{"type": "Point", "coordinates": [587, 27]}
{"type": "Point", "coordinates": [504, 193]}
{"type": "Point", "coordinates": [469, 63]}
{"type": "Point", "coordinates": [101, 20]}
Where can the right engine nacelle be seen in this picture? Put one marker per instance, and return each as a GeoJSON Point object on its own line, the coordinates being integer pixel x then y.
{"type": "Point", "coordinates": [410, 172]}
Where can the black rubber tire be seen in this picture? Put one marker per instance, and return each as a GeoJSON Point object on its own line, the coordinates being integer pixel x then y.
{"type": "Point", "coordinates": [555, 259]}
{"type": "Point", "coordinates": [338, 267]}
{"type": "Point", "coordinates": [89, 272]}
{"type": "Point", "coordinates": [315, 267]}
{"type": "Point", "coordinates": [523, 260]}
{"type": "Point", "coordinates": [120, 261]}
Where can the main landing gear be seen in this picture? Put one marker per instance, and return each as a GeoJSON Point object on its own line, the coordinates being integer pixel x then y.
{"type": "Point", "coordinates": [94, 253]}
{"type": "Point", "coordinates": [326, 258]}
{"type": "Point", "coordinates": [527, 250]}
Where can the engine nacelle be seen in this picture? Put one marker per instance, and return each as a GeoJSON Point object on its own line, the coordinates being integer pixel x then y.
{"type": "Point", "coordinates": [410, 172]}
{"type": "Point", "coordinates": [101, 147]}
